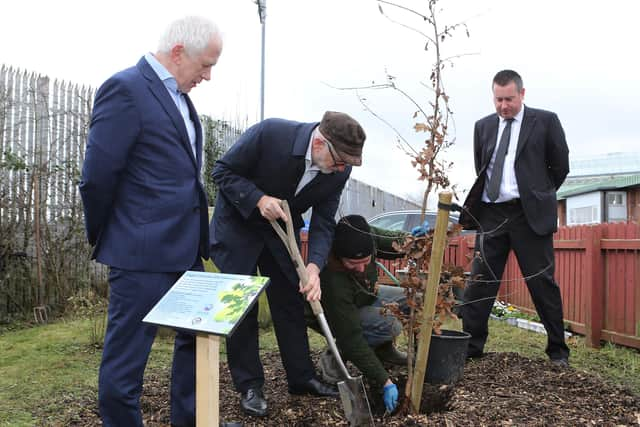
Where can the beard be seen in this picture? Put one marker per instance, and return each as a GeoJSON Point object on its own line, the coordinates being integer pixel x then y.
{"type": "Point", "coordinates": [358, 275]}
{"type": "Point", "coordinates": [325, 170]}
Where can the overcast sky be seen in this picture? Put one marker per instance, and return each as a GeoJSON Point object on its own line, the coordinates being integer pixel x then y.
{"type": "Point", "coordinates": [575, 56]}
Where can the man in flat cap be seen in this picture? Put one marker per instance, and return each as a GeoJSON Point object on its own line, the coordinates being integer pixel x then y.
{"type": "Point", "coordinates": [306, 164]}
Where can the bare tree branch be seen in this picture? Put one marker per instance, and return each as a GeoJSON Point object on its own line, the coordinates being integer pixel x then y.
{"type": "Point", "coordinates": [407, 146]}
{"type": "Point", "coordinates": [450, 59]}
{"type": "Point", "coordinates": [424, 17]}
{"type": "Point", "coordinates": [356, 88]}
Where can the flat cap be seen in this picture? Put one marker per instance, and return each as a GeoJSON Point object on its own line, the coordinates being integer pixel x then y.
{"type": "Point", "coordinates": [345, 134]}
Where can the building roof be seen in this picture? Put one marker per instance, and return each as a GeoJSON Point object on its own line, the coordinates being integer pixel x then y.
{"type": "Point", "coordinates": [604, 164]}
{"type": "Point", "coordinates": [574, 187]}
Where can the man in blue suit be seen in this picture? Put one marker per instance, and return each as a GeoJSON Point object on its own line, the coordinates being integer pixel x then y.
{"type": "Point", "coordinates": [306, 164]}
{"type": "Point", "coordinates": [146, 209]}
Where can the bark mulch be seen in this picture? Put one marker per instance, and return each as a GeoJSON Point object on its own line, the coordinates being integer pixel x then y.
{"type": "Point", "coordinates": [501, 389]}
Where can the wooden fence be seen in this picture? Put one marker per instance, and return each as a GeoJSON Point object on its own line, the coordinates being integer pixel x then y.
{"type": "Point", "coordinates": [597, 269]}
{"type": "Point", "coordinates": [43, 130]}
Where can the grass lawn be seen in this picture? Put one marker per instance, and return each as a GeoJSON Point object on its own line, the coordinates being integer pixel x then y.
{"type": "Point", "coordinates": [41, 362]}
{"type": "Point", "coordinates": [44, 366]}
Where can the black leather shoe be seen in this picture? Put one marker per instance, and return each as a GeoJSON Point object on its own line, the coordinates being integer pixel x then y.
{"type": "Point", "coordinates": [253, 403]}
{"type": "Point", "coordinates": [315, 387]}
{"type": "Point", "coordinates": [561, 362]}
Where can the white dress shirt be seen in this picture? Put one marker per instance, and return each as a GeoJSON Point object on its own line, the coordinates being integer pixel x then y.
{"type": "Point", "coordinates": [310, 170]}
{"type": "Point", "coordinates": [178, 97]}
{"type": "Point", "coordinates": [509, 184]}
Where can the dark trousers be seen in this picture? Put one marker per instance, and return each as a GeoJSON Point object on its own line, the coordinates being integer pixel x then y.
{"type": "Point", "coordinates": [287, 313]}
{"type": "Point", "coordinates": [127, 345]}
{"type": "Point", "coordinates": [505, 227]}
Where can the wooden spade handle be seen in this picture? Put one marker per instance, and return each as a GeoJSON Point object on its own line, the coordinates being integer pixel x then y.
{"type": "Point", "coordinates": [290, 243]}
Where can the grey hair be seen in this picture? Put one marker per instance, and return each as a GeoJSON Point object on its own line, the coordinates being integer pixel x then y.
{"type": "Point", "coordinates": [193, 32]}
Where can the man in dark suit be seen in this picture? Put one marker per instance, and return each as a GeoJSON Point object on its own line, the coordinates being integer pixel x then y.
{"type": "Point", "coordinates": [306, 164]}
{"type": "Point", "coordinates": [521, 158]}
{"type": "Point", "coordinates": [146, 209]}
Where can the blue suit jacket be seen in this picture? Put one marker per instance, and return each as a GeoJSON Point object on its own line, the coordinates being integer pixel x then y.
{"type": "Point", "coordinates": [145, 206]}
{"type": "Point", "coordinates": [268, 159]}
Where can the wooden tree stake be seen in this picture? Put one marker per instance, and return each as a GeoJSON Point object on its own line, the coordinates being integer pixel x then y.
{"type": "Point", "coordinates": [430, 295]}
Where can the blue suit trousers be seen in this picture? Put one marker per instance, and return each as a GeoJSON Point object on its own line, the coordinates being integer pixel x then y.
{"type": "Point", "coordinates": [127, 346]}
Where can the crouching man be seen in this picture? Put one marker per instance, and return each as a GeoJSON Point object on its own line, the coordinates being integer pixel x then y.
{"type": "Point", "coordinates": [352, 302]}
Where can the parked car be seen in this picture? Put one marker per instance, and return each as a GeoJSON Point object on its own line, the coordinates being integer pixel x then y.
{"type": "Point", "coordinates": [406, 220]}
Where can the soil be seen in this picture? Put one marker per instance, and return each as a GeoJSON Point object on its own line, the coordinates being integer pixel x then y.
{"type": "Point", "coordinates": [500, 389]}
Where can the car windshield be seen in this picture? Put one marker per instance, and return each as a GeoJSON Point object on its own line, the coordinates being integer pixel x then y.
{"type": "Point", "coordinates": [406, 221]}
{"type": "Point", "coordinates": [390, 222]}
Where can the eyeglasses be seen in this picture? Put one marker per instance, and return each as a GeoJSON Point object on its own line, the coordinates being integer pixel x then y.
{"type": "Point", "coordinates": [334, 156]}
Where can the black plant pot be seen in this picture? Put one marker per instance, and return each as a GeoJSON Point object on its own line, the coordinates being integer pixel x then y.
{"type": "Point", "coordinates": [447, 354]}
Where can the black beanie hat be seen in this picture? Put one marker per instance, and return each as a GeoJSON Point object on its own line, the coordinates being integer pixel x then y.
{"type": "Point", "coordinates": [352, 238]}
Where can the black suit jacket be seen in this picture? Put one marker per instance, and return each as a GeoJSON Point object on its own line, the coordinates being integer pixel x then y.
{"type": "Point", "coordinates": [541, 165]}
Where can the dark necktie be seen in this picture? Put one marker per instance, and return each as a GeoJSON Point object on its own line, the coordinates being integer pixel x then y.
{"type": "Point", "coordinates": [493, 189]}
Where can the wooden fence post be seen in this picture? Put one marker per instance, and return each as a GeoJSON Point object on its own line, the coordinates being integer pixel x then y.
{"type": "Point", "coordinates": [594, 285]}
{"type": "Point", "coordinates": [464, 260]}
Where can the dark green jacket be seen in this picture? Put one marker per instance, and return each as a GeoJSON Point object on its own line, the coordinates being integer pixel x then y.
{"type": "Point", "coordinates": [343, 293]}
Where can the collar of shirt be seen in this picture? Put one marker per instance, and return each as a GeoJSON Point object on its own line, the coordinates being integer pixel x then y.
{"type": "Point", "coordinates": [163, 74]}
{"type": "Point", "coordinates": [171, 84]}
{"type": "Point", "coordinates": [517, 118]}
{"type": "Point", "coordinates": [310, 170]}
{"type": "Point", "coordinates": [509, 184]}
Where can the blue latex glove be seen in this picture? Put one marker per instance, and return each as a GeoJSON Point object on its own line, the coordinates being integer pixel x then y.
{"type": "Point", "coordinates": [390, 397]}
{"type": "Point", "coordinates": [420, 230]}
